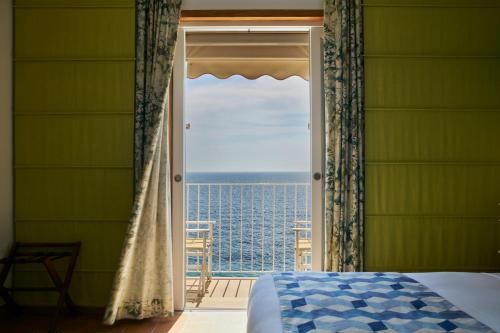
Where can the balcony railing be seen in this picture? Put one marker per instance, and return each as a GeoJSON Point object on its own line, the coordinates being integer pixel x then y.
{"type": "Point", "coordinates": [254, 226]}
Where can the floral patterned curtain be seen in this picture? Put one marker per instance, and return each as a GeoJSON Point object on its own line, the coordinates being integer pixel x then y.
{"type": "Point", "coordinates": [344, 122]}
{"type": "Point", "coordinates": [143, 282]}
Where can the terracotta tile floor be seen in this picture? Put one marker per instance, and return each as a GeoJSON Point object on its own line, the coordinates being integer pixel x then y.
{"type": "Point", "coordinates": [84, 323]}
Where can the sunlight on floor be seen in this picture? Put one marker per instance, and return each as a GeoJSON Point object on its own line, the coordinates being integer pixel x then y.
{"type": "Point", "coordinates": [222, 293]}
{"type": "Point", "coordinates": [211, 321]}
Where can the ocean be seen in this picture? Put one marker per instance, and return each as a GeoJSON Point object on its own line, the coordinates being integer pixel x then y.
{"type": "Point", "coordinates": [253, 218]}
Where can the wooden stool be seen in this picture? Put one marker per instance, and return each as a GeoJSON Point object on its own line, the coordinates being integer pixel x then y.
{"type": "Point", "coordinates": [33, 253]}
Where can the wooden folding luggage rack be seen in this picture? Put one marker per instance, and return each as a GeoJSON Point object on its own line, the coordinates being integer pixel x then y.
{"type": "Point", "coordinates": [34, 253]}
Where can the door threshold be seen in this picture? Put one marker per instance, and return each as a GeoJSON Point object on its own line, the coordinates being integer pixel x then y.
{"type": "Point", "coordinates": [214, 310]}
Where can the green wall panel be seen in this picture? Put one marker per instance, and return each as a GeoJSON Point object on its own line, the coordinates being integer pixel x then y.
{"type": "Point", "coordinates": [432, 31]}
{"type": "Point", "coordinates": [49, 140]}
{"type": "Point", "coordinates": [432, 244]}
{"type": "Point", "coordinates": [74, 102]}
{"type": "Point", "coordinates": [416, 4]}
{"type": "Point", "coordinates": [86, 33]}
{"type": "Point", "coordinates": [48, 194]}
{"type": "Point", "coordinates": [429, 189]}
{"type": "Point", "coordinates": [432, 135]}
{"type": "Point", "coordinates": [63, 86]}
{"type": "Point", "coordinates": [433, 82]}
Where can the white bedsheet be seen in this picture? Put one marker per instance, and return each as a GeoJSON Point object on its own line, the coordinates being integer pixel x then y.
{"type": "Point", "coordinates": [478, 294]}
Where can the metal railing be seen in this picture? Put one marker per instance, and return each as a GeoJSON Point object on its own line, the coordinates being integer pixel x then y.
{"type": "Point", "coordinates": [254, 228]}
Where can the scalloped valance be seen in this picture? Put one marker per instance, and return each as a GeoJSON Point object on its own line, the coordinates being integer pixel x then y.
{"type": "Point", "coordinates": [249, 54]}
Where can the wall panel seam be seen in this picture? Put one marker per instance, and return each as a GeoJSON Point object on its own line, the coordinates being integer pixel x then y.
{"type": "Point", "coordinates": [77, 113]}
{"type": "Point", "coordinates": [431, 56]}
{"type": "Point", "coordinates": [428, 109]}
{"type": "Point", "coordinates": [70, 220]}
{"type": "Point", "coordinates": [433, 163]}
{"type": "Point", "coordinates": [62, 166]}
{"type": "Point", "coordinates": [71, 59]}
{"type": "Point", "coordinates": [84, 271]}
{"type": "Point", "coordinates": [473, 4]}
{"type": "Point", "coordinates": [438, 216]}
{"type": "Point", "coordinates": [431, 269]}
{"type": "Point", "coordinates": [74, 6]}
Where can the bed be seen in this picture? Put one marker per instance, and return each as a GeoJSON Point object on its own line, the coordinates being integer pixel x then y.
{"type": "Point", "coordinates": [275, 299]}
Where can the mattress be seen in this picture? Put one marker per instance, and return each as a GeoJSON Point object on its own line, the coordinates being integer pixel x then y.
{"type": "Point", "coordinates": [477, 294]}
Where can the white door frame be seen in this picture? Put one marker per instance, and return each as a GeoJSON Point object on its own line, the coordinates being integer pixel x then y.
{"type": "Point", "coordinates": [179, 262]}
{"type": "Point", "coordinates": [317, 145]}
{"type": "Point", "coordinates": [317, 159]}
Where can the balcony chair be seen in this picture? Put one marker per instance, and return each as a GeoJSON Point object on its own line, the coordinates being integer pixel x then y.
{"type": "Point", "coordinates": [303, 247]}
{"type": "Point", "coordinates": [199, 245]}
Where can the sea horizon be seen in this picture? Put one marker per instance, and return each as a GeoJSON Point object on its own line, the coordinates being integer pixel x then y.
{"type": "Point", "coordinates": [248, 177]}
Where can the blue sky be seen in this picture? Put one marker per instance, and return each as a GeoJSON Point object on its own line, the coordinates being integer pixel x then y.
{"type": "Point", "coordinates": [247, 125]}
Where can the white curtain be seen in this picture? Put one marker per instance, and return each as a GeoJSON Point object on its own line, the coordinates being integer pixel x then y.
{"type": "Point", "coordinates": [143, 282]}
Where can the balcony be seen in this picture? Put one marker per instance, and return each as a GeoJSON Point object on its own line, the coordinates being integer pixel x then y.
{"type": "Point", "coordinates": [237, 231]}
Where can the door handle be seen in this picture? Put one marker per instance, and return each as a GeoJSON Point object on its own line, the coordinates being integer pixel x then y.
{"type": "Point", "coordinates": [317, 175]}
{"type": "Point", "coordinates": [178, 178]}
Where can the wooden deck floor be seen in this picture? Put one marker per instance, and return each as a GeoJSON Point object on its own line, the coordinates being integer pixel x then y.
{"type": "Point", "coordinates": [223, 293]}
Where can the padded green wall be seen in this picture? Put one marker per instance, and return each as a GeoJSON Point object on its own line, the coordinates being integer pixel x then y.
{"type": "Point", "coordinates": [432, 135]}
{"type": "Point", "coordinates": [74, 96]}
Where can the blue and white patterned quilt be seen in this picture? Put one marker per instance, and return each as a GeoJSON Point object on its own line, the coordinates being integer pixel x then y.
{"type": "Point", "coordinates": [366, 302]}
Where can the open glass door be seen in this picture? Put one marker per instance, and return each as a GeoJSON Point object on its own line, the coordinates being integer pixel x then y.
{"type": "Point", "coordinates": [247, 147]}
{"type": "Point", "coordinates": [177, 169]}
